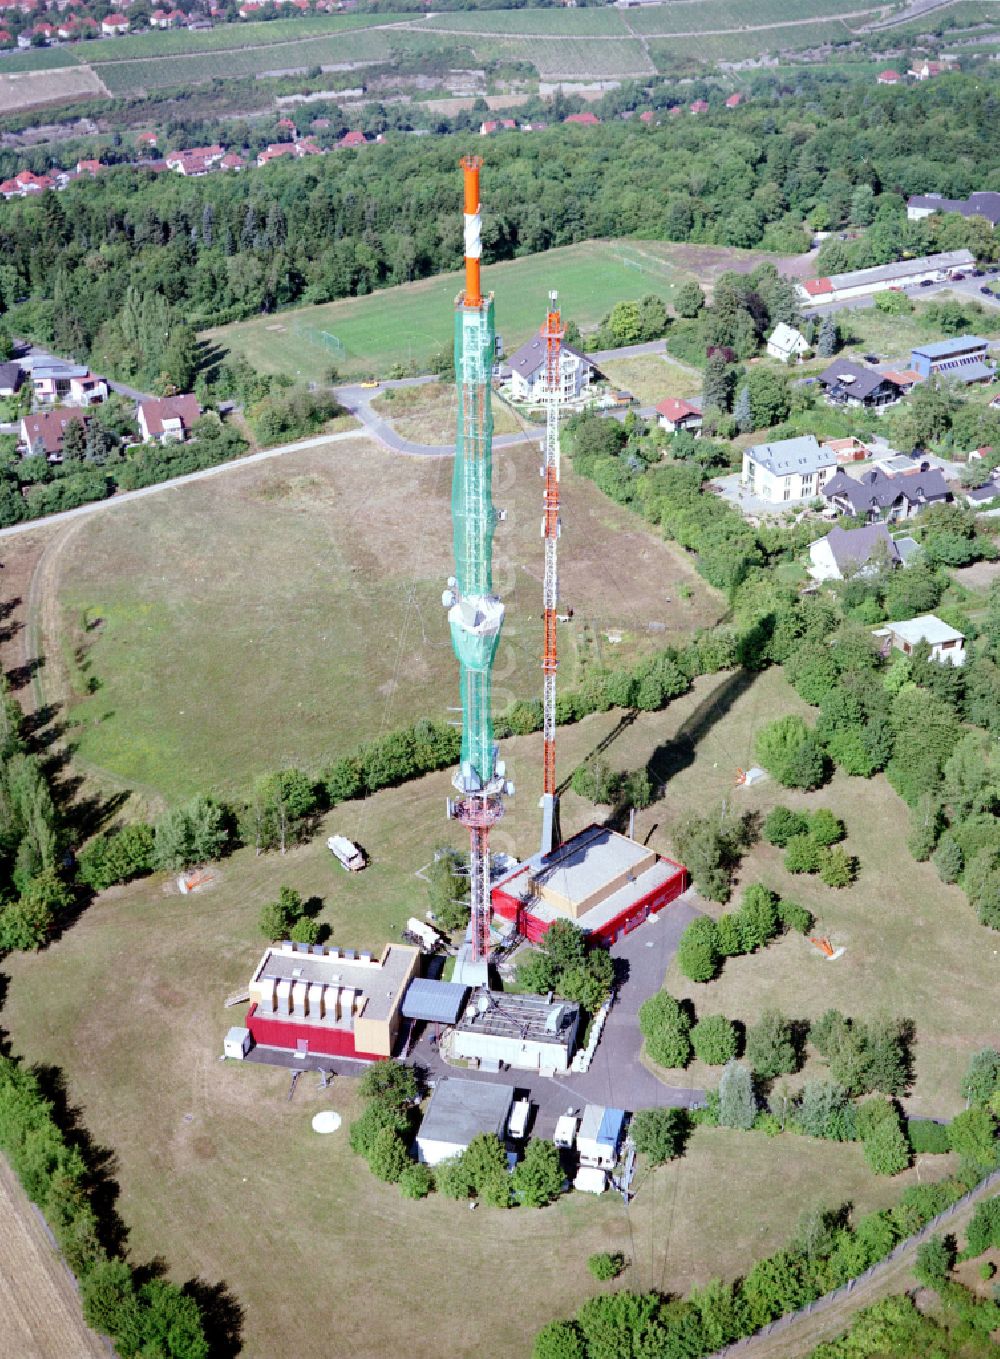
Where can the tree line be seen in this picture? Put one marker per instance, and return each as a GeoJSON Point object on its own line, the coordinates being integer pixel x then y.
{"type": "Point", "coordinates": [106, 261]}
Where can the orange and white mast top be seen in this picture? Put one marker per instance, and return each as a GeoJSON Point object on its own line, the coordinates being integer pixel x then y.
{"type": "Point", "coordinates": [473, 232]}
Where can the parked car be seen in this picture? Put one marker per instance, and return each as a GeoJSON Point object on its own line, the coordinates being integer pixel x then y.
{"type": "Point", "coordinates": [926, 282]}
{"type": "Point", "coordinates": [986, 290]}
{"type": "Point", "coordinates": [977, 273]}
{"type": "Point", "coordinates": [871, 358]}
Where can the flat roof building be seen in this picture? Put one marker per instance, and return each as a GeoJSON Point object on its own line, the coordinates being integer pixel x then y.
{"type": "Point", "coordinates": [529, 1033]}
{"type": "Point", "coordinates": [459, 1110]}
{"type": "Point", "coordinates": [947, 644]}
{"type": "Point", "coordinates": [964, 357]}
{"type": "Point", "coordinates": [604, 882]}
{"type": "Point", "coordinates": [332, 1001]}
{"type": "Point", "coordinates": [901, 274]}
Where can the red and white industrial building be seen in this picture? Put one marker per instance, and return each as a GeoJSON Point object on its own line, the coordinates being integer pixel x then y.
{"type": "Point", "coordinates": [331, 1001]}
{"type": "Point", "coordinates": [604, 882]}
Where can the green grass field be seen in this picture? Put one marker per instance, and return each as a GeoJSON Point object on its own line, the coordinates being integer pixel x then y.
{"type": "Point", "coordinates": [549, 23]}
{"type": "Point", "coordinates": [412, 322]}
{"type": "Point", "coordinates": [371, 45]}
{"type": "Point", "coordinates": [713, 15]}
{"type": "Point", "coordinates": [289, 611]}
{"type": "Point", "coordinates": [225, 1179]}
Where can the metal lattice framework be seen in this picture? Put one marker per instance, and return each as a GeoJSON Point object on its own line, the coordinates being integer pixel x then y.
{"type": "Point", "coordinates": [475, 614]}
{"type": "Point", "coordinates": [553, 334]}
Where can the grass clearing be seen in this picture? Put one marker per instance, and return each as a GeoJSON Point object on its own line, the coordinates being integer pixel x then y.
{"type": "Point", "coordinates": [914, 947]}
{"type": "Point", "coordinates": [428, 414]}
{"type": "Point", "coordinates": [410, 323]}
{"type": "Point", "coordinates": [228, 1182]}
{"type": "Point", "coordinates": [579, 58]}
{"type": "Point", "coordinates": [35, 88]}
{"type": "Point", "coordinates": [271, 617]}
{"type": "Point", "coordinates": [652, 377]}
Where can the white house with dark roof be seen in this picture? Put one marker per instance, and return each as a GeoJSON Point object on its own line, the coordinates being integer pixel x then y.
{"type": "Point", "coordinates": [527, 372]}
{"type": "Point", "coordinates": [791, 469]}
{"type": "Point", "coordinates": [845, 553]}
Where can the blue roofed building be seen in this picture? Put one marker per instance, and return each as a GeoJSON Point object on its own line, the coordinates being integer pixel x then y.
{"type": "Point", "coordinates": [964, 359]}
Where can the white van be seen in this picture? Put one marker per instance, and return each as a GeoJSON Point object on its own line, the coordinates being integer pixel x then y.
{"type": "Point", "coordinates": [517, 1124]}
{"type": "Point", "coordinates": [346, 852]}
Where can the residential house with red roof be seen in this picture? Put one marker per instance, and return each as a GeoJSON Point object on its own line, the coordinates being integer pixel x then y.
{"type": "Point", "coordinates": [699, 106]}
{"type": "Point", "coordinates": [351, 139]}
{"type": "Point", "coordinates": [168, 418]}
{"type": "Point", "coordinates": [674, 414]}
{"type": "Point", "coordinates": [493, 125]}
{"type": "Point", "coordinates": [89, 167]}
{"type": "Point", "coordinates": [734, 101]}
{"type": "Point", "coordinates": [114, 25]}
{"type": "Point", "coordinates": [42, 434]}
{"type": "Point", "coordinates": [586, 119]}
{"type": "Point", "coordinates": [888, 77]}
{"type": "Point", "coordinates": [275, 151]}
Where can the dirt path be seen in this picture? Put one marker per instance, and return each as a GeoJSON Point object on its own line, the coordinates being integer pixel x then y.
{"type": "Point", "coordinates": [829, 1317]}
{"type": "Point", "coordinates": [40, 1316]}
{"type": "Point", "coordinates": [617, 37]}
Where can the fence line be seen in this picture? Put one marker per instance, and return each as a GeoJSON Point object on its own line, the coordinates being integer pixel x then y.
{"type": "Point", "coordinates": [828, 1300]}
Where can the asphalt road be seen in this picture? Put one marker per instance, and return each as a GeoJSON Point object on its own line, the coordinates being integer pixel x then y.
{"type": "Point", "coordinates": [358, 400]}
{"type": "Point", "coordinates": [34, 351]}
{"type": "Point", "coordinates": [616, 1077]}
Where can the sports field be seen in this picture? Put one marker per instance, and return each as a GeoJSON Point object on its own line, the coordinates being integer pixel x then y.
{"type": "Point", "coordinates": [411, 323]}
{"type": "Point", "coordinates": [286, 612]}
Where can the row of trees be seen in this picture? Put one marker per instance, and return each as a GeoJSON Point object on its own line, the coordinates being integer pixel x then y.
{"type": "Point", "coordinates": [176, 252]}
{"type": "Point", "coordinates": [762, 915]}
{"type": "Point", "coordinates": [829, 1250]}
{"type": "Point", "coordinates": [151, 1318]}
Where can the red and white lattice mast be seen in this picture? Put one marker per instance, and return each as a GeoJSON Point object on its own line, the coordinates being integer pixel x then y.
{"type": "Point", "coordinates": [552, 334]}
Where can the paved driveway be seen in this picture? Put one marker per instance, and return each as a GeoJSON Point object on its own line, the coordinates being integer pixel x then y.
{"type": "Point", "coordinates": [616, 1076]}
